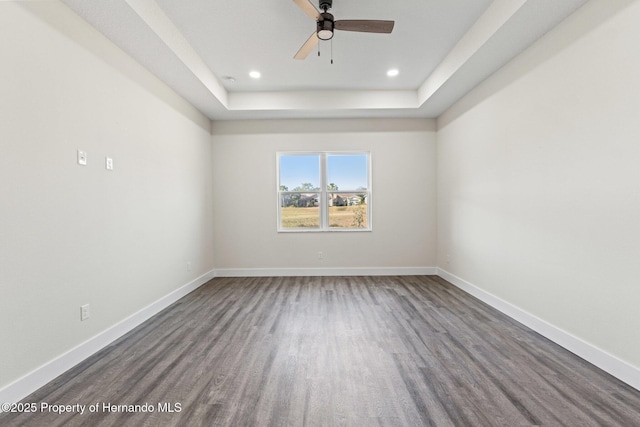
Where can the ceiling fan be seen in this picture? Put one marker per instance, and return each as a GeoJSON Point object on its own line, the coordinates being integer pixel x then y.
{"type": "Point", "coordinates": [325, 25]}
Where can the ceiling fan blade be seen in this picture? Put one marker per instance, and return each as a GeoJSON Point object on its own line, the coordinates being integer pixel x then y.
{"type": "Point", "coordinates": [364, 25]}
{"type": "Point", "coordinates": [308, 8]}
{"type": "Point", "coordinates": [307, 47]}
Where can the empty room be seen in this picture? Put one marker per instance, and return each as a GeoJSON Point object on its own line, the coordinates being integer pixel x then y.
{"type": "Point", "coordinates": [320, 212]}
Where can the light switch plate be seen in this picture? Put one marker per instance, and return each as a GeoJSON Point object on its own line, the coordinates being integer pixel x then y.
{"type": "Point", "coordinates": [84, 312]}
{"type": "Point", "coordinates": [82, 158]}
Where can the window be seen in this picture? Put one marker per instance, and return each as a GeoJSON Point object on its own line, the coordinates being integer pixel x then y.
{"type": "Point", "coordinates": [324, 191]}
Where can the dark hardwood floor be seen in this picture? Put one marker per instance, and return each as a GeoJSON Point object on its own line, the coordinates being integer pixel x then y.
{"type": "Point", "coordinates": [355, 351]}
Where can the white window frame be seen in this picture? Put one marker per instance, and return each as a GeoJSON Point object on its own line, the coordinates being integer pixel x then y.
{"type": "Point", "coordinates": [323, 200]}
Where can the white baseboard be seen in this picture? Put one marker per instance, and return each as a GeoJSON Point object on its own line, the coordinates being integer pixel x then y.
{"type": "Point", "coordinates": [600, 358]}
{"type": "Point", "coordinates": [339, 271]}
{"type": "Point", "coordinates": [29, 383]}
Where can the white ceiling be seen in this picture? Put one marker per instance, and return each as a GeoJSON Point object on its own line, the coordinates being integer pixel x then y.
{"type": "Point", "coordinates": [442, 49]}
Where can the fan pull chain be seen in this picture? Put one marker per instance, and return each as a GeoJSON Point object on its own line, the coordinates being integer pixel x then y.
{"type": "Point", "coordinates": [331, 50]}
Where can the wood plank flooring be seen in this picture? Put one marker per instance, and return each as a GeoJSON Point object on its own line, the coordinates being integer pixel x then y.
{"type": "Point", "coordinates": [343, 351]}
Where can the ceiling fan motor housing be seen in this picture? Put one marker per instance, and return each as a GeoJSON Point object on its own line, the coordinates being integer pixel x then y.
{"type": "Point", "coordinates": [325, 26]}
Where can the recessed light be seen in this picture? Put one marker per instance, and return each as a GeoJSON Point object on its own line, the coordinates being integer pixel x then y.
{"type": "Point", "coordinates": [392, 73]}
{"type": "Point", "coordinates": [255, 74]}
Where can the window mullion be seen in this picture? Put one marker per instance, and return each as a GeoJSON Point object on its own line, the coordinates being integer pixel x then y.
{"type": "Point", "coordinates": [324, 203]}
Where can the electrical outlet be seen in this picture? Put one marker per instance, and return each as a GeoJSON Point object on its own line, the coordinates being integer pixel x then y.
{"type": "Point", "coordinates": [108, 163]}
{"type": "Point", "coordinates": [188, 265]}
{"type": "Point", "coordinates": [320, 255]}
{"type": "Point", "coordinates": [84, 312]}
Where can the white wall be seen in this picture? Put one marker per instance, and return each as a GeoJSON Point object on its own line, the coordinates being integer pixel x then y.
{"type": "Point", "coordinates": [403, 154]}
{"type": "Point", "coordinates": [72, 235]}
{"type": "Point", "coordinates": [539, 181]}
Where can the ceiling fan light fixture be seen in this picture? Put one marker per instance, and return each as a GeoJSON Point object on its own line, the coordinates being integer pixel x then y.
{"type": "Point", "coordinates": [325, 34]}
{"type": "Point", "coordinates": [325, 27]}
